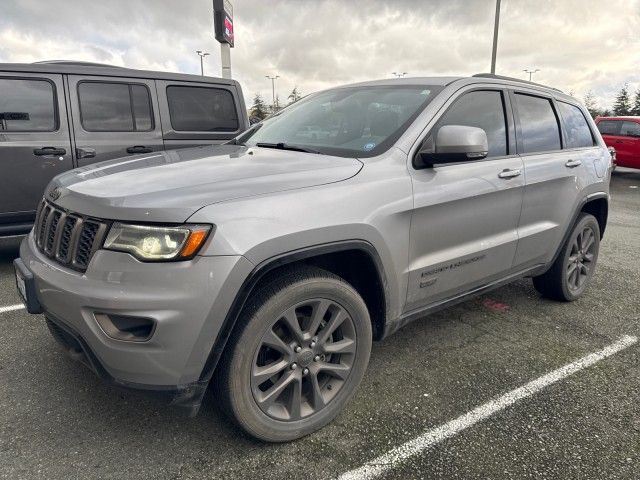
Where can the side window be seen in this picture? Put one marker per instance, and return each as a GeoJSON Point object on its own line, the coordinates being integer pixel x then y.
{"type": "Point", "coordinates": [539, 124]}
{"type": "Point", "coordinates": [576, 127]}
{"type": "Point", "coordinates": [609, 127]}
{"type": "Point", "coordinates": [115, 107]}
{"type": "Point", "coordinates": [27, 105]}
{"type": "Point", "coordinates": [630, 129]}
{"type": "Point", "coordinates": [201, 109]}
{"type": "Point", "coordinates": [482, 109]}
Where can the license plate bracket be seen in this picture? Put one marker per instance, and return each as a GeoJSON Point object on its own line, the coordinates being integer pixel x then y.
{"type": "Point", "coordinates": [26, 286]}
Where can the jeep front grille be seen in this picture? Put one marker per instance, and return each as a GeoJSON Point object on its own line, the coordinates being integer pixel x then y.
{"type": "Point", "coordinates": [68, 238]}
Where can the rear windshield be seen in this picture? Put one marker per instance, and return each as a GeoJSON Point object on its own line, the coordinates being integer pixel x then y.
{"type": "Point", "coordinates": [349, 122]}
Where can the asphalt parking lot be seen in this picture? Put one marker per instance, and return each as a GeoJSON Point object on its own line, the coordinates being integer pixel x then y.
{"type": "Point", "coordinates": [57, 420]}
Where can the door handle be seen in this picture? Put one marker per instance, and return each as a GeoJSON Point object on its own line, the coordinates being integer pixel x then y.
{"type": "Point", "coordinates": [619, 141]}
{"type": "Point", "coordinates": [85, 152]}
{"type": "Point", "coordinates": [573, 163]}
{"type": "Point", "coordinates": [40, 152]}
{"type": "Point", "coordinates": [508, 173]}
{"type": "Point", "coordinates": [139, 149]}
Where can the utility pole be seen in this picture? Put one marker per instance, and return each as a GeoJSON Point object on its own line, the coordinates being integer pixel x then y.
{"type": "Point", "coordinates": [202, 54]}
{"type": "Point", "coordinates": [531, 72]}
{"type": "Point", "coordinates": [399, 74]}
{"type": "Point", "coordinates": [273, 90]}
{"type": "Point", "coordinates": [494, 52]}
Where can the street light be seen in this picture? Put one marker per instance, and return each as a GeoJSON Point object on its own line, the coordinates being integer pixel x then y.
{"type": "Point", "coordinates": [494, 50]}
{"type": "Point", "coordinates": [273, 89]}
{"type": "Point", "coordinates": [531, 72]}
{"type": "Point", "coordinates": [399, 74]}
{"type": "Point", "coordinates": [202, 54]}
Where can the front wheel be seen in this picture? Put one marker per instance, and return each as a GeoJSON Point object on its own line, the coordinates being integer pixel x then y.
{"type": "Point", "coordinates": [300, 351]}
{"type": "Point", "coordinates": [572, 271]}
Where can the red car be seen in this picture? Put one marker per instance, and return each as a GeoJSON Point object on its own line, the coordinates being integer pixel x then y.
{"type": "Point", "coordinates": [623, 134]}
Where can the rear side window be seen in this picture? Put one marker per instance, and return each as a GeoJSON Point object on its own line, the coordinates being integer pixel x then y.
{"type": "Point", "coordinates": [575, 126]}
{"type": "Point", "coordinates": [609, 127]}
{"type": "Point", "coordinates": [115, 107]}
{"type": "Point", "coordinates": [538, 122]}
{"type": "Point", "coordinates": [27, 105]}
{"type": "Point", "coordinates": [201, 109]}
{"type": "Point", "coordinates": [481, 109]}
{"type": "Point", "coordinates": [630, 129]}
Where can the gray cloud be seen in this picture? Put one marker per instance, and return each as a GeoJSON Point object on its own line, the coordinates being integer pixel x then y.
{"type": "Point", "coordinates": [579, 45]}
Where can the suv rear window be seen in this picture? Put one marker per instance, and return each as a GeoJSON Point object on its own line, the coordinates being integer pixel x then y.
{"type": "Point", "coordinates": [27, 105]}
{"type": "Point", "coordinates": [538, 123]}
{"type": "Point", "coordinates": [609, 127]}
{"type": "Point", "coordinates": [115, 107]}
{"type": "Point", "coordinates": [575, 126]}
{"type": "Point", "coordinates": [201, 109]}
{"type": "Point", "coordinates": [630, 129]}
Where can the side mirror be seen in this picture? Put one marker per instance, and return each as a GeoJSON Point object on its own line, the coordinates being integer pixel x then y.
{"type": "Point", "coordinates": [456, 143]}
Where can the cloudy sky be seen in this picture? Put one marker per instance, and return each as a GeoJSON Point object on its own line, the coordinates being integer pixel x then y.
{"type": "Point", "coordinates": [578, 45]}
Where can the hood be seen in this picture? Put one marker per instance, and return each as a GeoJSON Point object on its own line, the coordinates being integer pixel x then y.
{"type": "Point", "coordinates": [170, 186]}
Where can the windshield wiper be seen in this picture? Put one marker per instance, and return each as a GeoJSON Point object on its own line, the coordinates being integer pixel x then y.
{"type": "Point", "coordinates": [286, 146]}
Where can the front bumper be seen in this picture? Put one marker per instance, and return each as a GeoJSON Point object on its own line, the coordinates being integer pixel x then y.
{"type": "Point", "coordinates": [187, 301]}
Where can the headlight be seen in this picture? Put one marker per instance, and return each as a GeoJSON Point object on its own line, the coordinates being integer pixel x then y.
{"type": "Point", "coordinates": [151, 243]}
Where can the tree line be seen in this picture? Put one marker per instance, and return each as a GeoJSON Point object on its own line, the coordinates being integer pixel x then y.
{"type": "Point", "coordinates": [259, 109]}
{"type": "Point", "coordinates": [623, 105]}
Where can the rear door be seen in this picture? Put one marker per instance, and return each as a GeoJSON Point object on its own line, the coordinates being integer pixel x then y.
{"type": "Point", "coordinates": [195, 113]}
{"type": "Point", "coordinates": [465, 218]}
{"type": "Point", "coordinates": [555, 177]}
{"type": "Point", "coordinates": [114, 117]}
{"type": "Point", "coordinates": [34, 142]}
{"type": "Point", "coordinates": [629, 144]}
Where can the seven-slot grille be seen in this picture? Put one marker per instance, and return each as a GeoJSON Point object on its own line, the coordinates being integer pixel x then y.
{"type": "Point", "coordinates": [66, 237]}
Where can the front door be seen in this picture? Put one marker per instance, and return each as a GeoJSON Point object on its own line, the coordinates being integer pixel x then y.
{"type": "Point", "coordinates": [34, 142]}
{"type": "Point", "coordinates": [114, 117]}
{"type": "Point", "coordinates": [465, 218]}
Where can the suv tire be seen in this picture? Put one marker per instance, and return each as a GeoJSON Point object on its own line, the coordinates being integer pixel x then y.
{"type": "Point", "coordinates": [298, 354]}
{"type": "Point", "coordinates": [572, 271]}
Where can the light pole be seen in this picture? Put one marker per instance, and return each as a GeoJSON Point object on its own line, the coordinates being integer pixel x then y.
{"type": "Point", "coordinates": [531, 72]}
{"type": "Point", "coordinates": [273, 90]}
{"type": "Point", "coordinates": [202, 54]}
{"type": "Point", "coordinates": [399, 74]}
{"type": "Point", "coordinates": [494, 51]}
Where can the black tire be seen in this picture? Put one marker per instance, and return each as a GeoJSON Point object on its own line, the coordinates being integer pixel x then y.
{"type": "Point", "coordinates": [571, 273]}
{"type": "Point", "coordinates": [301, 294]}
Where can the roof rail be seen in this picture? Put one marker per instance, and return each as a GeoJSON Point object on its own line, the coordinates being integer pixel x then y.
{"type": "Point", "coordinates": [513, 79]}
{"type": "Point", "coordinates": [75, 63]}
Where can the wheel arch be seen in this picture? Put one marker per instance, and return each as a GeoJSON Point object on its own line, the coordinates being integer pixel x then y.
{"type": "Point", "coordinates": [337, 257]}
{"type": "Point", "coordinates": [598, 206]}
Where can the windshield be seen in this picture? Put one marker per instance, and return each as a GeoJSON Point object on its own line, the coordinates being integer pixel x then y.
{"type": "Point", "coordinates": [348, 122]}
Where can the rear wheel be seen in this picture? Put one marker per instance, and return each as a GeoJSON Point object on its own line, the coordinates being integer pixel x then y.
{"type": "Point", "coordinates": [571, 273]}
{"type": "Point", "coordinates": [299, 353]}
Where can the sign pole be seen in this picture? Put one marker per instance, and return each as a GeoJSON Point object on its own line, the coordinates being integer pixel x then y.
{"type": "Point", "coordinates": [494, 51]}
{"type": "Point", "coordinates": [223, 26]}
{"type": "Point", "coordinates": [225, 55]}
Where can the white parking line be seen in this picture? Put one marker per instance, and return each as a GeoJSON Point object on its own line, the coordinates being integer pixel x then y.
{"type": "Point", "coordinates": [428, 439]}
{"type": "Point", "coordinates": [11, 308]}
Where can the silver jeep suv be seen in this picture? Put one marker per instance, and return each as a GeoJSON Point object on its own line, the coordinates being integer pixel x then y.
{"type": "Point", "coordinates": [268, 265]}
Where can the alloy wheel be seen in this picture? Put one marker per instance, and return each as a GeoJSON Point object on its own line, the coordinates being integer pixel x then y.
{"type": "Point", "coordinates": [303, 360]}
{"type": "Point", "coordinates": [581, 259]}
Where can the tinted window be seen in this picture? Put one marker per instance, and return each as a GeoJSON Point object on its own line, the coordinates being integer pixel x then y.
{"type": "Point", "coordinates": [630, 129]}
{"type": "Point", "coordinates": [481, 109]}
{"type": "Point", "coordinates": [115, 107]}
{"type": "Point", "coordinates": [201, 109]}
{"type": "Point", "coordinates": [609, 127]}
{"type": "Point", "coordinates": [540, 131]}
{"type": "Point", "coordinates": [27, 106]}
{"type": "Point", "coordinates": [575, 126]}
